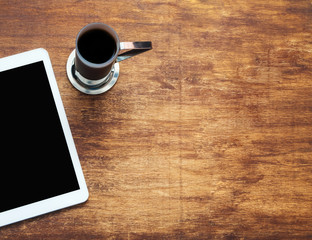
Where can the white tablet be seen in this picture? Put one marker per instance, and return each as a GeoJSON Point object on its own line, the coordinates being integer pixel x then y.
{"type": "Point", "coordinates": [39, 166]}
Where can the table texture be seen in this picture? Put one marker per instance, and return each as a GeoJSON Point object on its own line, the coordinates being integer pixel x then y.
{"type": "Point", "coordinates": [207, 136]}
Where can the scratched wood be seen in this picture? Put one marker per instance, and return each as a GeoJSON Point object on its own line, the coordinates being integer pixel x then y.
{"type": "Point", "coordinates": [207, 136]}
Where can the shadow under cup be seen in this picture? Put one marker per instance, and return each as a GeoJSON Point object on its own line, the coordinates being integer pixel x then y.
{"type": "Point", "coordinates": [97, 47]}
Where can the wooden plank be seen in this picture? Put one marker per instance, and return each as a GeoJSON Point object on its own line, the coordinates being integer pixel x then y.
{"type": "Point", "coordinates": [207, 136]}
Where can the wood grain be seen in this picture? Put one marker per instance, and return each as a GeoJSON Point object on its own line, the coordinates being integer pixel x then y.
{"type": "Point", "coordinates": [207, 136]}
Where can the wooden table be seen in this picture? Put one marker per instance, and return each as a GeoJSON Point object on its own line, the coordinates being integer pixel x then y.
{"type": "Point", "coordinates": [207, 136]}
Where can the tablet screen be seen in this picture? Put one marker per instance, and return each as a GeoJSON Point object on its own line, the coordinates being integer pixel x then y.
{"type": "Point", "coordinates": [35, 162]}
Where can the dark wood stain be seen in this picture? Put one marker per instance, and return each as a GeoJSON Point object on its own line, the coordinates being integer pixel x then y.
{"type": "Point", "coordinates": [207, 136]}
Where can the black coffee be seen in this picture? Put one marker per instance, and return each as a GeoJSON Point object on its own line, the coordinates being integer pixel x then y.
{"type": "Point", "coordinates": [96, 46]}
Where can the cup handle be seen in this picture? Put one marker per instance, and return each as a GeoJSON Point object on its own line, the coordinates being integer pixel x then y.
{"type": "Point", "coordinates": [132, 49]}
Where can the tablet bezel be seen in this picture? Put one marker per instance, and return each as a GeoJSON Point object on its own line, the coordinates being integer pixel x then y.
{"type": "Point", "coordinates": [64, 200]}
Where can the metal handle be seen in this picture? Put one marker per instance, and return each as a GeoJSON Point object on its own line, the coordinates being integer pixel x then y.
{"type": "Point", "coordinates": [133, 48]}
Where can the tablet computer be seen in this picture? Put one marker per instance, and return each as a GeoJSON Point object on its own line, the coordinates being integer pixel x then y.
{"type": "Point", "coordinates": [40, 170]}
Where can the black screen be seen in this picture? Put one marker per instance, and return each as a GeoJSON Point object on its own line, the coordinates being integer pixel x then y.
{"type": "Point", "coordinates": [35, 163]}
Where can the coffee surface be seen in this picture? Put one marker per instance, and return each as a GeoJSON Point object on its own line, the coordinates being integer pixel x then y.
{"type": "Point", "coordinates": [96, 46]}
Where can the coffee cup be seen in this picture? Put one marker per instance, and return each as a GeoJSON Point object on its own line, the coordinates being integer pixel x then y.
{"type": "Point", "coordinates": [93, 66]}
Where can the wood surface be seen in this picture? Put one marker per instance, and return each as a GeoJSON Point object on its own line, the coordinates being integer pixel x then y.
{"type": "Point", "coordinates": [207, 136]}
